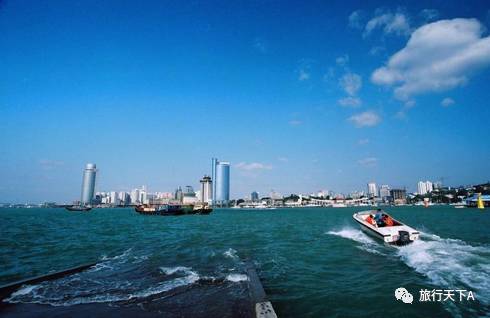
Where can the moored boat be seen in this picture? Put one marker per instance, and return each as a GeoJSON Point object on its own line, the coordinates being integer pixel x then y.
{"type": "Point", "coordinates": [382, 226]}
{"type": "Point", "coordinates": [202, 209]}
{"type": "Point", "coordinates": [165, 209]}
{"type": "Point", "coordinates": [172, 209]}
{"type": "Point", "coordinates": [78, 208]}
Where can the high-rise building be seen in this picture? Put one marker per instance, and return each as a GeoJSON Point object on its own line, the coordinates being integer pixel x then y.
{"type": "Point", "coordinates": [421, 188]}
{"type": "Point", "coordinates": [221, 181]}
{"type": "Point", "coordinates": [135, 196]}
{"type": "Point", "coordinates": [143, 195]}
{"type": "Point", "coordinates": [254, 196]}
{"type": "Point", "coordinates": [179, 194]}
{"type": "Point", "coordinates": [437, 185]}
{"type": "Point", "coordinates": [399, 196]}
{"type": "Point", "coordinates": [206, 189]}
{"type": "Point", "coordinates": [114, 198]}
{"type": "Point", "coordinates": [88, 184]}
{"type": "Point", "coordinates": [424, 187]}
{"type": "Point", "coordinates": [429, 186]}
{"type": "Point", "coordinates": [372, 191]}
{"type": "Point", "coordinates": [384, 192]}
{"type": "Point", "coordinates": [123, 198]}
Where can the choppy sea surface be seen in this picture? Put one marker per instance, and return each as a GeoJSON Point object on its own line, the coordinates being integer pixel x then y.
{"type": "Point", "coordinates": [312, 262]}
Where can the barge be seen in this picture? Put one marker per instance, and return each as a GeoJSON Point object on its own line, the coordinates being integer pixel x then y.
{"type": "Point", "coordinates": [173, 209]}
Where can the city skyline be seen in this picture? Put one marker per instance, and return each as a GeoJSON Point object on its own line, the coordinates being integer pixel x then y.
{"type": "Point", "coordinates": [215, 189]}
{"type": "Point", "coordinates": [321, 96]}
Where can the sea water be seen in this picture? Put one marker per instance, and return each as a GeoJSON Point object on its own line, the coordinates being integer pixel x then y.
{"type": "Point", "coordinates": [313, 262]}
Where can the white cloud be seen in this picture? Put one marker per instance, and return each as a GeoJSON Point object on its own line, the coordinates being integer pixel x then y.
{"type": "Point", "coordinates": [355, 19]}
{"type": "Point", "coordinates": [295, 122]}
{"type": "Point", "coordinates": [253, 166]}
{"type": "Point", "coordinates": [446, 102]}
{"type": "Point", "coordinates": [342, 60]}
{"type": "Point", "coordinates": [350, 101]}
{"type": "Point", "coordinates": [304, 69]}
{"type": "Point", "coordinates": [303, 75]}
{"type": "Point", "coordinates": [351, 83]}
{"type": "Point", "coordinates": [438, 56]}
{"type": "Point", "coordinates": [365, 119]}
{"type": "Point", "coordinates": [409, 104]}
{"type": "Point", "coordinates": [390, 23]}
{"type": "Point", "coordinates": [375, 50]}
{"type": "Point", "coordinates": [429, 14]}
{"type": "Point", "coordinates": [368, 162]}
{"type": "Point", "coordinates": [401, 114]}
{"type": "Point", "coordinates": [260, 45]}
{"type": "Point", "coordinates": [283, 159]}
{"type": "Point", "coordinates": [364, 141]}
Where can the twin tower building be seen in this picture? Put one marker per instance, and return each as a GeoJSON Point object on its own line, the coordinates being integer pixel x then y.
{"type": "Point", "coordinates": [216, 193]}
{"type": "Point", "coordinates": [215, 190]}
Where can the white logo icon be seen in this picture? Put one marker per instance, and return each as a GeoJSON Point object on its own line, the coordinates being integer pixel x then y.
{"type": "Point", "coordinates": [404, 295]}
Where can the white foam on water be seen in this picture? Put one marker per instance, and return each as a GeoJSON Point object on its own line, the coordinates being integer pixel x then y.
{"type": "Point", "coordinates": [163, 287]}
{"type": "Point", "coordinates": [367, 243]}
{"type": "Point", "coordinates": [236, 278]}
{"type": "Point", "coordinates": [369, 249]}
{"type": "Point", "coordinates": [231, 253]}
{"type": "Point", "coordinates": [122, 256]}
{"type": "Point", "coordinates": [100, 266]}
{"type": "Point", "coordinates": [353, 234]}
{"type": "Point", "coordinates": [24, 290]}
{"type": "Point", "coordinates": [35, 293]}
{"type": "Point", "coordinates": [450, 263]}
{"type": "Point", "coordinates": [173, 270]}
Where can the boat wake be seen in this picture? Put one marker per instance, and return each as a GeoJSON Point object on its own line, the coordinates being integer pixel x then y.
{"type": "Point", "coordinates": [447, 263]}
{"type": "Point", "coordinates": [367, 243]}
{"type": "Point", "coordinates": [450, 263]}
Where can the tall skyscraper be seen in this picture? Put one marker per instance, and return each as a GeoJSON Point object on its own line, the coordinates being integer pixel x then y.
{"type": "Point", "coordinates": [372, 191]}
{"type": "Point", "coordinates": [399, 196]}
{"type": "Point", "coordinates": [384, 191]}
{"type": "Point", "coordinates": [206, 189]}
{"type": "Point", "coordinates": [221, 182]}
{"type": "Point", "coordinates": [421, 188]}
{"type": "Point", "coordinates": [135, 196]}
{"type": "Point", "coordinates": [214, 161]}
{"type": "Point", "coordinates": [179, 194]}
{"type": "Point", "coordinates": [88, 184]}
{"type": "Point", "coordinates": [254, 196]}
{"type": "Point", "coordinates": [424, 187]}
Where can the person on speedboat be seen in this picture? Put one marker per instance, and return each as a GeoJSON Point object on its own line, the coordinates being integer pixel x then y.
{"type": "Point", "coordinates": [387, 220]}
{"type": "Point", "coordinates": [378, 217]}
{"type": "Point", "coordinates": [370, 220]}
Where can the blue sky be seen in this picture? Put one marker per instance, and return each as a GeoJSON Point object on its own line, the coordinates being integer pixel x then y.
{"type": "Point", "coordinates": [298, 96]}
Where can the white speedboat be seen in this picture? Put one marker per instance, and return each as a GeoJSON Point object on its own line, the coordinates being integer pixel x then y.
{"type": "Point", "coordinates": [379, 224]}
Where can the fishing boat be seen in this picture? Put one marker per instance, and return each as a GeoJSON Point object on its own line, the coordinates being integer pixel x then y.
{"type": "Point", "coordinates": [172, 209]}
{"type": "Point", "coordinates": [164, 209]}
{"type": "Point", "coordinates": [202, 209]}
{"type": "Point", "coordinates": [78, 208]}
{"type": "Point", "coordinates": [382, 226]}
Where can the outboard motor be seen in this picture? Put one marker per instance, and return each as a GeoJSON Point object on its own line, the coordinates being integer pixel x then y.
{"type": "Point", "coordinates": [404, 238]}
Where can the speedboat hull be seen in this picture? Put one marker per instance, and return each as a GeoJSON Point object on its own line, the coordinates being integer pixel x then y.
{"type": "Point", "coordinates": [396, 234]}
